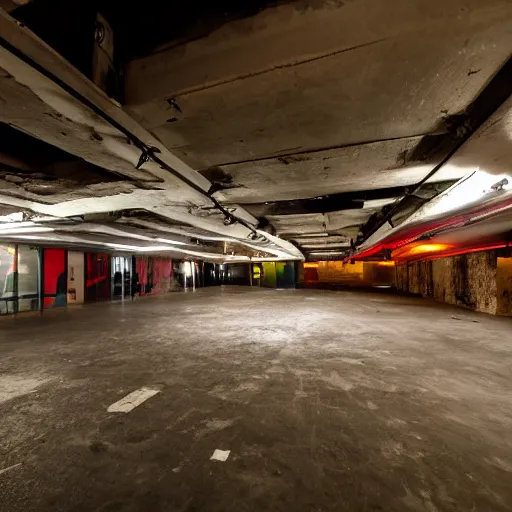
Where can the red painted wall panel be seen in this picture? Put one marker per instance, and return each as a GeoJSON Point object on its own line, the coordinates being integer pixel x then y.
{"type": "Point", "coordinates": [55, 277]}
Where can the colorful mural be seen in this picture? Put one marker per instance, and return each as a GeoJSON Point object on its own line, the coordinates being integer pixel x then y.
{"type": "Point", "coordinates": [269, 277]}
{"type": "Point", "coordinates": [55, 280]}
{"type": "Point", "coordinates": [154, 275]}
{"type": "Point", "coordinates": [97, 276]}
{"type": "Point", "coordinates": [285, 274]}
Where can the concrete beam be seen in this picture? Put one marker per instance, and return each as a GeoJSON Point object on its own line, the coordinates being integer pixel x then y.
{"type": "Point", "coordinates": [289, 80]}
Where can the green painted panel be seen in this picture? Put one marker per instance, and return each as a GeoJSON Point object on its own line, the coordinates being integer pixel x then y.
{"type": "Point", "coordinates": [269, 274]}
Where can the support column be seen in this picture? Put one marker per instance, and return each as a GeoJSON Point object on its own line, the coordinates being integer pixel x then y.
{"type": "Point", "coordinates": [480, 281]}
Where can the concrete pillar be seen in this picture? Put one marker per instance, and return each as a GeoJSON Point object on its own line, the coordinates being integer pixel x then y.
{"type": "Point", "coordinates": [299, 274]}
{"type": "Point", "coordinates": [481, 281]}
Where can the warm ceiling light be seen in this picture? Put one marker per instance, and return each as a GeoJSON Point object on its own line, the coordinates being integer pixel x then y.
{"type": "Point", "coordinates": [385, 263]}
{"type": "Point", "coordinates": [420, 249]}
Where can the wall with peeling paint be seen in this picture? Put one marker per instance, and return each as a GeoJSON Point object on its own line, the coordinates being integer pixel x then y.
{"type": "Point", "coordinates": [474, 280]}
{"type": "Point", "coordinates": [359, 273]}
{"type": "Point", "coordinates": [504, 286]}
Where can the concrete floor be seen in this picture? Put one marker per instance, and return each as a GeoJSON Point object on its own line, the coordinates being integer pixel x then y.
{"type": "Point", "coordinates": [327, 400]}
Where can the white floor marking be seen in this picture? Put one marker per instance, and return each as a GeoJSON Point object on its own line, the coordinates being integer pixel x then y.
{"type": "Point", "coordinates": [134, 399]}
{"type": "Point", "coordinates": [9, 468]}
{"type": "Point", "coordinates": [221, 455]}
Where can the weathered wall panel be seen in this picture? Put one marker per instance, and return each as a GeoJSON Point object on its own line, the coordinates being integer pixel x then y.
{"type": "Point", "coordinates": [336, 272]}
{"type": "Point", "coordinates": [504, 286]}
{"type": "Point", "coordinates": [443, 287]}
{"type": "Point", "coordinates": [481, 283]}
{"type": "Point", "coordinates": [468, 280]}
{"type": "Point", "coordinates": [269, 278]}
{"type": "Point", "coordinates": [359, 273]}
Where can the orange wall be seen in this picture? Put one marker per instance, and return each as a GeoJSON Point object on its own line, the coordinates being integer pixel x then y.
{"type": "Point", "coordinates": [357, 274]}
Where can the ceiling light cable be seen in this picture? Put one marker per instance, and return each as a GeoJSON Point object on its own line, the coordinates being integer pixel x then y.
{"type": "Point", "coordinates": [147, 152]}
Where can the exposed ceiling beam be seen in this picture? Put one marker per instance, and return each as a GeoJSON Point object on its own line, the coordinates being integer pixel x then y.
{"type": "Point", "coordinates": [336, 202]}
{"type": "Point", "coordinates": [51, 84]}
{"type": "Point", "coordinates": [495, 94]}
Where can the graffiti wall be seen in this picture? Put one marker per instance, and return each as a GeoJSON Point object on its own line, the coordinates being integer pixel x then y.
{"type": "Point", "coordinates": [55, 280]}
{"type": "Point", "coordinates": [97, 276]}
{"type": "Point", "coordinates": [154, 275]}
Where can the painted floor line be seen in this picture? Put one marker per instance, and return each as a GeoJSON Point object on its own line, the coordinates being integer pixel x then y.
{"type": "Point", "coordinates": [9, 468]}
{"type": "Point", "coordinates": [132, 400]}
{"type": "Point", "coordinates": [220, 455]}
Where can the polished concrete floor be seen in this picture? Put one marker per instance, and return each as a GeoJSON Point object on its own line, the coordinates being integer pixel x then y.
{"type": "Point", "coordinates": [327, 401]}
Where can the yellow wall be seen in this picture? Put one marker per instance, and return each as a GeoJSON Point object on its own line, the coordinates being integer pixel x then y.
{"type": "Point", "coordinates": [269, 274]}
{"type": "Point", "coordinates": [357, 274]}
{"type": "Point", "coordinates": [504, 286]}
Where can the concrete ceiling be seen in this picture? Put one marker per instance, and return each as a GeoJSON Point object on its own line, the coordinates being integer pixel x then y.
{"type": "Point", "coordinates": [478, 205]}
{"type": "Point", "coordinates": [300, 102]}
{"type": "Point", "coordinates": [311, 123]}
{"type": "Point", "coordinates": [59, 106]}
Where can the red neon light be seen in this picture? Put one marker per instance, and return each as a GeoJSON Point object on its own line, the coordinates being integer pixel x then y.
{"type": "Point", "coordinates": [412, 233]}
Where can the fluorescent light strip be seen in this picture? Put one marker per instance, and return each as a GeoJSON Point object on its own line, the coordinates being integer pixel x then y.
{"type": "Point", "coordinates": [8, 232]}
{"type": "Point", "coordinates": [122, 247]}
{"type": "Point", "coordinates": [12, 217]}
{"type": "Point", "coordinates": [165, 248]}
{"type": "Point", "coordinates": [16, 225]}
{"type": "Point", "coordinates": [209, 238]}
{"type": "Point", "coordinates": [274, 259]}
{"type": "Point", "coordinates": [92, 228]}
{"type": "Point", "coordinates": [174, 242]}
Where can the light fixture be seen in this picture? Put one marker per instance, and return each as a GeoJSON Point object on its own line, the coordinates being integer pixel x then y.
{"type": "Point", "coordinates": [173, 242]}
{"type": "Point", "coordinates": [21, 231]}
{"type": "Point", "coordinates": [427, 248]}
{"type": "Point", "coordinates": [12, 217]}
{"type": "Point", "coordinates": [15, 225]}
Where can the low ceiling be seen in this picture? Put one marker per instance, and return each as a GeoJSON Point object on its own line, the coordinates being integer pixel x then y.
{"type": "Point", "coordinates": [319, 122]}
{"type": "Point", "coordinates": [326, 99]}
